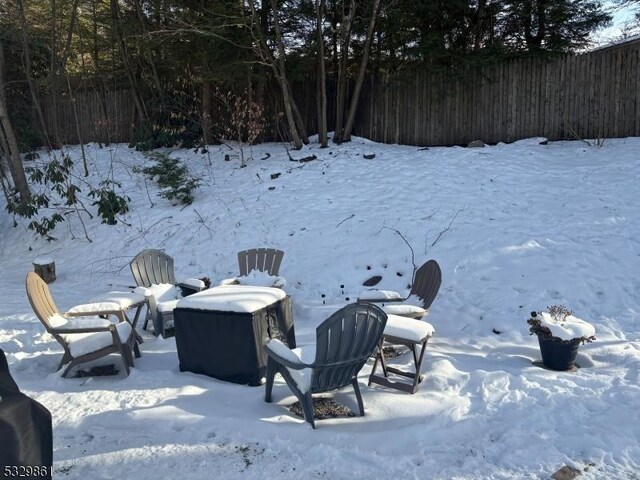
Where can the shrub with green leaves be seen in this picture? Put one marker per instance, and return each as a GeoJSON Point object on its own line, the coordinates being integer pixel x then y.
{"type": "Point", "coordinates": [58, 198]}
{"type": "Point", "coordinates": [109, 202]}
{"type": "Point", "coordinates": [172, 176]}
{"type": "Point", "coordinates": [57, 176]}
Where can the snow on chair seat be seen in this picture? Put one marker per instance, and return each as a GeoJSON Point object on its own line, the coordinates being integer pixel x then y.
{"type": "Point", "coordinates": [262, 279]}
{"type": "Point", "coordinates": [113, 303]}
{"type": "Point", "coordinates": [121, 300]}
{"type": "Point", "coordinates": [110, 303]}
{"type": "Point", "coordinates": [410, 333]}
{"type": "Point", "coordinates": [83, 343]}
{"type": "Point", "coordinates": [94, 308]}
{"type": "Point", "coordinates": [408, 328]}
{"type": "Point", "coordinates": [375, 295]}
{"type": "Point", "coordinates": [404, 310]}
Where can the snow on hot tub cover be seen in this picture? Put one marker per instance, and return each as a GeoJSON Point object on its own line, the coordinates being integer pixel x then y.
{"type": "Point", "coordinates": [233, 298]}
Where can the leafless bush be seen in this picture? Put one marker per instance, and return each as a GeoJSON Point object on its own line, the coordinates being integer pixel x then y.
{"type": "Point", "coordinates": [245, 120]}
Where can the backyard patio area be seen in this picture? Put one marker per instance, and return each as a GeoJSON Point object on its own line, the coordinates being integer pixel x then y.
{"type": "Point", "coordinates": [514, 228]}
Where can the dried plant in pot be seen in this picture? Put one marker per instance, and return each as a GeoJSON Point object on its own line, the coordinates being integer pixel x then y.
{"type": "Point", "coordinates": [560, 333]}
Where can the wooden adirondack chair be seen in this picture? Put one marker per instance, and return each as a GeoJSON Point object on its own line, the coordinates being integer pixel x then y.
{"type": "Point", "coordinates": [81, 343]}
{"type": "Point", "coordinates": [344, 342]}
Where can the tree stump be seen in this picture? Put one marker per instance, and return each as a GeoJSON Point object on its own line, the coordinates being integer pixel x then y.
{"type": "Point", "coordinates": [46, 268]}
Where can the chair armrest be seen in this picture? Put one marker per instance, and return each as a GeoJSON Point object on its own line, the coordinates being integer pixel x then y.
{"type": "Point", "coordinates": [191, 286]}
{"type": "Point", "coordinates": [97, 313]}
{"type": "Point", "coordinates": [149, 297]}
{"type": "Point", "coordinates": [62, 330]}
{"type": "Point", "coordinates": [192, 283]}
{"type": "Point", "coordinates": [282, 354]}
{"type": "Point", "coordinates": [144, 291]}
{"type": "Point", "coordinates": [382, 300]}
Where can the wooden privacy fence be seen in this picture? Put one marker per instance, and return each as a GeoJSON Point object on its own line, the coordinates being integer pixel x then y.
{"type": "Point", "coordinates": [593, 95]}
{"type": "Point", "coordinates": [102, 117]}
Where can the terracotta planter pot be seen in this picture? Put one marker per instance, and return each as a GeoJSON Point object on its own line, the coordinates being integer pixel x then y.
{"type": "Point", "coordinates": [558, 354]}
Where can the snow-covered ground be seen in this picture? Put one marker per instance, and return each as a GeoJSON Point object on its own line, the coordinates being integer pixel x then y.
{"type": "Point", "coordinates": [514, 227]}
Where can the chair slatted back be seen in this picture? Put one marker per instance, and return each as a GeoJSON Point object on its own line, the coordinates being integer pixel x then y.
{"type": "Point", "coordinates": [426, 283]}
{"type": "Point", "coordinates": [261, 259]}
{"type": "Point", "coordinates": [152, 267]}
{"type": "Point", "coordinates": [42, 303]}
{"type": "Point", "coordinates": [344, 342]}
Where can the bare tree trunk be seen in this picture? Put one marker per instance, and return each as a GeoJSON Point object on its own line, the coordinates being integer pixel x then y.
{"type": "Point", "coordinates": [62, 70]}
{"type": "Point", "coordinates": [293, 131]}
{"type": "Point", "coordinates": [322, 78]}
{"type": "Point", "coordinates": [5, 177]}
{"type": "Point", "coordinates": [96, 118]}
{"type": "Point", "coordinates": [479, 24]}
{"type": "Point", "coordinates": [75, 116]}
{"type": "Point", "coordinates": [53, 78]}
{"type": "Point", "coordinates": [278, 67]}
{"type": "Point", "coordinates": [302, 128]}
{"type": "Point", "coordinates": [28, 68]}
{"type": "Point", "coordinates": [5, 166]}
{"type": "Point", "coordinates": [263, 71]}
{"type": "Point", "coordinates": [207, 123]}
{"type": "Point", "coordinates": [8, 189]}
{"type": "Point", "coordinates": [154, 71]}
{"type": "Point", "coordinates": [282, 80]}
{"type": "Point", "coordinates": [102, 91]}
{"type": "Point", "coordinates": [334, 35]}
{"type": "Point", "coordinates": [345, 40]}
{"type": "Point", "coordinates": [355, 96]}
{"type": "Point", "coordinates": [122, 46]}
{"type": "Point", "coordinates": [13, 154]}
{"type": "Point", "coordinates": [67, 45]}
{"type": "Point", "coordinates": [379, 46]}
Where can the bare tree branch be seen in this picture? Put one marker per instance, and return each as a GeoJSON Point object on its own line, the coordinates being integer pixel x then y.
{"type": "Point", "coordinates": [348, 218]}
{"type": "Point", "coordinates": [413, 253]}
{"type": "Point", "coordinates": [446, 229]}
